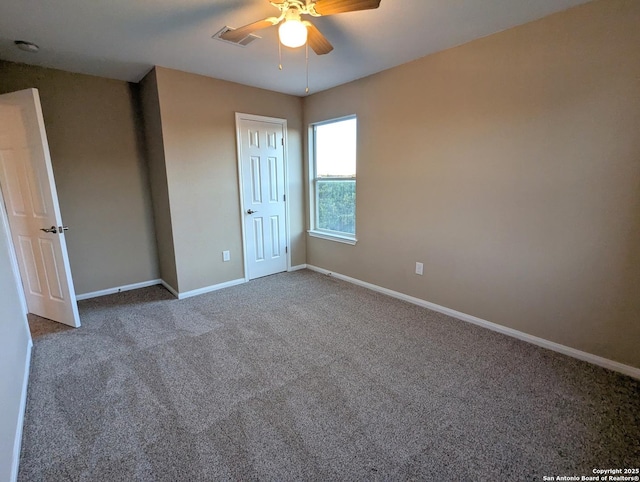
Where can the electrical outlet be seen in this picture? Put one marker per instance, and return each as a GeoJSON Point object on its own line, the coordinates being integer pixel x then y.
{"type": "Point", "coordinates": [226, 256]}
{"type": "Point", "coordinates": [419, 268]}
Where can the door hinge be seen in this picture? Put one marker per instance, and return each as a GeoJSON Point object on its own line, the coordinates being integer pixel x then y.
{"type": "Point", "coordinates": [282, 141]}
{"type": "Point", "coordinates": [286, 249]}
{"type": "Point", "coordinates": [284, 197]}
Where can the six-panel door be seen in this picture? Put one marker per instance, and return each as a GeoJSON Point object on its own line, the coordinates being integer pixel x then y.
{"type": "Point", "coordinates": [262, 158]}
{"type": "Point", "coordinates": [31, 202]}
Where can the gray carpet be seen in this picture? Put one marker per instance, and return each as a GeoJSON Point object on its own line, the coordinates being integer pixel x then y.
{"type": "Point", "coordinates": [300, 376]}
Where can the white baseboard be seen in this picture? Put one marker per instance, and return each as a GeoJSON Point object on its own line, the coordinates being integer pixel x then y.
{"type": "Point", "coordinates": [17, 444]}
{"type": "Point", "coordinates": [298, 268]}
{"type": "Point", "coordinates": [171, 289]}
{"type": "Point", "coordinates": [118, 289]}
{"type": "Point", "coordinates": [565, 350]}
{"type": "Point", "coordinates": [207, 289]}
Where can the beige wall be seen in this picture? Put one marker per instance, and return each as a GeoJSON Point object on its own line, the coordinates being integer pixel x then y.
{"type": "Point", "coordinates": [510, 167]}
{"type": "Point", "coordinates": [158, 178]}
{"type": "Point", "coordinates": [97, 153]}
{"type": "Point", "coordinates": [198, 129]}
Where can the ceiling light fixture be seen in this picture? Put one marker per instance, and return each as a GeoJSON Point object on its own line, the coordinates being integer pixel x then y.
{"type": "Point", "coordinates": [292, 32]}
{"type": "Point", "coordinates": [27, 46]}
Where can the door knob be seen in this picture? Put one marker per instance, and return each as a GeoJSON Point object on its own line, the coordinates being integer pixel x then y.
{"type": "Point", "coordinates": [251, 211]}
{"type": "Point", "coordinates": [52, 229]}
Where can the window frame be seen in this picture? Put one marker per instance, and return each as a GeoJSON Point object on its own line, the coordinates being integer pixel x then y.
{"type": "Point", "coordinates": [314, 231]}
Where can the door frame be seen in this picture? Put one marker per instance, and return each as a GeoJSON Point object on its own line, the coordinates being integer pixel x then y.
{"type": "Point", "coordinates": [283, 123]}
{"type": "Point", "coordinates": [17, 277]}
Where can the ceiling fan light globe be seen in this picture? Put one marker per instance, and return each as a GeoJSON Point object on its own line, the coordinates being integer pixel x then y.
{"type": "Point", "coordinates": [292, 33]}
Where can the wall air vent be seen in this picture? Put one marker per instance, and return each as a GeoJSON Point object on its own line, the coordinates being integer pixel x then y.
{"type": "Point", "coordinates": [241, 43]}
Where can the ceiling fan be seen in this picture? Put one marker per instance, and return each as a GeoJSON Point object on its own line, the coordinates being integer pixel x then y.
{"type": "Point", "coordinates": [293, 31]}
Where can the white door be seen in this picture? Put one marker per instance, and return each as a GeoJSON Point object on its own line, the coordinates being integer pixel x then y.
{"type": "Point", "coordinates": [31, 201]}
{"type": "Point", "coordinates": [261, 161]}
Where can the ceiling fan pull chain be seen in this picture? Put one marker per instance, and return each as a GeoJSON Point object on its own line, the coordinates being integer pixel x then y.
{"type": "Point", "coordinates": [307, 65]}
{"type": "Point", "coordinates": [279, 56]}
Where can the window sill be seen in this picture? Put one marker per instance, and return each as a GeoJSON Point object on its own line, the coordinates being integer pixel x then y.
{"type": "Point", "coordinates": [333, 237]}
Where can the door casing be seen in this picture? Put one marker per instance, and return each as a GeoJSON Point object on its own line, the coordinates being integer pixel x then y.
{"type": "Point", "coordinates": [4, 220]}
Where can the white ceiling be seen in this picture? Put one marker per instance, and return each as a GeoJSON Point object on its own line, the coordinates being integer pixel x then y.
{"type": "Point", "coordinates": [123, 39]}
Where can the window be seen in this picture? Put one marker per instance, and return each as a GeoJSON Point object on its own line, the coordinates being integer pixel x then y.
{"type": "Point", "coordinates": [333, 180]}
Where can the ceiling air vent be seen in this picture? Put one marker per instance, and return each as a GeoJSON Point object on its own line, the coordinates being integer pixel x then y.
{"type": "Point", "coordinates": [242, 42]}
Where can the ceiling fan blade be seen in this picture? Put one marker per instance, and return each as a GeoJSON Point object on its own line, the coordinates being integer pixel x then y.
{"type": "Point", "coordinates": [317, 41]}
{"type": "Point", "coordinates": [331, 7]}
{"type": "Point", "coordinates": [241, 32]}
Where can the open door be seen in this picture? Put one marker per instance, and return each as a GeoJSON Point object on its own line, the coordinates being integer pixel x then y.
{"type": "Point", "coordinates": [31, 201]}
